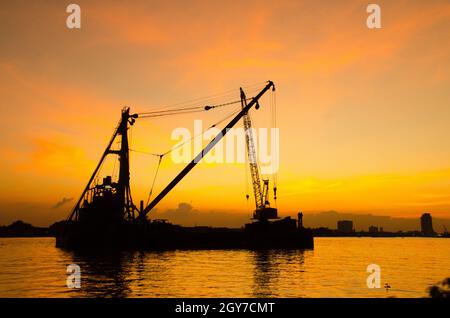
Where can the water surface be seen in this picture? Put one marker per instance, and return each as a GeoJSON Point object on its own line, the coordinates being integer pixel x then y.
{"type": "Point", "coordinates": [34, 267]}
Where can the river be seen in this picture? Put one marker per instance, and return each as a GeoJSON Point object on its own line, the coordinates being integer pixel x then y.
{"type": "Point", "coordinates": [337, 267]}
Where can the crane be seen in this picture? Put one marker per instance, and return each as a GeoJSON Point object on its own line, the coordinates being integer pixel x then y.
{"type": "Point", "coordinates": [263, 210]}
{"type": "Point", "coordinates": [112, 200]}
{"type": "Point", "coordinates": [105, 214]}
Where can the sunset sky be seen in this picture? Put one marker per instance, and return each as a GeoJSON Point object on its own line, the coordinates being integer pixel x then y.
{"type": "Point", "coordinates": [364, 115]}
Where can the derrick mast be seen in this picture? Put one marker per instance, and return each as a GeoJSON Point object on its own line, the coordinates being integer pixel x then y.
{"type": "Point", "coordinates": [109, 201]}
{"type": "Point", "coordinates": [124, 192]}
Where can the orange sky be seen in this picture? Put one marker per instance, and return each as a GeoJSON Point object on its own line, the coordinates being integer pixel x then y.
{"type": "Point", "coordinates": [363, 114]}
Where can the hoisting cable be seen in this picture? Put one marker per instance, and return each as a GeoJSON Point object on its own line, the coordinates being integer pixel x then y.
{"type": "Point", "coordinates": [275, 145]}
{"type": "Point", "coordinates": [154, 179]}
{"type": "Point", "coordinates": [247, 196]}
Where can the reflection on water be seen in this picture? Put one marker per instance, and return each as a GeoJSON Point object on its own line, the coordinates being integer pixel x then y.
{"type": "Point", "coordinates": [106, 274]}
{"type": "Point", "coordinates": [265, 274]}
{"type": "Point", "coordinates": [33, 267]}
{"type": "Point", "coordinates": [267, 270]}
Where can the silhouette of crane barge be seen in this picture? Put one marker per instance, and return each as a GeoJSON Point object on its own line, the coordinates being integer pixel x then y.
{"type": "Point", "coordinates": [105, 216]}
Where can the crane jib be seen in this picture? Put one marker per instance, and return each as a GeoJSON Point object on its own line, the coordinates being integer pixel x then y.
{"type": "Point", "coordinates": [202, 153]}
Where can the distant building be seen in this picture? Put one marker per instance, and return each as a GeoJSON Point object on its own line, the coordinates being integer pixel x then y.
{"type": "Point", "coordinates": [300, 220]}
{"type": "Point", "coordinates": [426, 224]}
{"type": "Point", "coordinates": [373, 229]}
{"type": "Point", "coordinates": [345, 226]}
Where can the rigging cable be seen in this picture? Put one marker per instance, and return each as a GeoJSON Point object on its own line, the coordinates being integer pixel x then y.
{"type": "Point", "coordinates": [186, 110]}
{"type": "Point", "coordinates": [178, 112]}
{"type": "Point", "coordinates": [187, 141]}
{"type": "Point", "coordinates": [201, 100]}
{"type": "Point", "coordinates": [154, 179]}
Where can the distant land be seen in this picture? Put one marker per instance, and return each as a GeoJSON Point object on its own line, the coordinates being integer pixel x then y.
{"type": "Point", "coordinates": [22, 229]}
{"type": "Point", "coordinates": [186, 215]}
{"type": "Point", "coordinates": [361, 222]}
{"type": "Point", "coordinates": [323, 223]}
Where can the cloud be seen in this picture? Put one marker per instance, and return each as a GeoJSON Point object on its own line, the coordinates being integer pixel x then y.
{"type": "Point", "coordinates": [61, 202]}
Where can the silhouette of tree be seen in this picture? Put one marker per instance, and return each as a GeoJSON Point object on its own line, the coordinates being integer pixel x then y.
{"type": "Point", "coordinates": [441, 290]}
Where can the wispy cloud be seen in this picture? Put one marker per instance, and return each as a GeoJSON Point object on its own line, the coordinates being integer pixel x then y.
{"type": "Point", "coordinates": [62, 202]}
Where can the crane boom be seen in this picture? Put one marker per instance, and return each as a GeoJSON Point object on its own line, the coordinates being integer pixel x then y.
{"type": "Point", "coordinates": [251, 153]}
{"type": "Point", "coordinates": [211, 145]}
